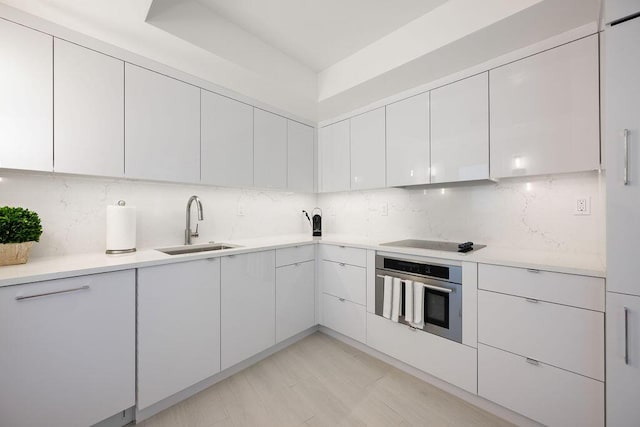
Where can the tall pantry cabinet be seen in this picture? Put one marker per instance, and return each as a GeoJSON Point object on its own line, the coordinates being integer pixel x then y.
{"type": "Point", "coordinates": [622, 123]}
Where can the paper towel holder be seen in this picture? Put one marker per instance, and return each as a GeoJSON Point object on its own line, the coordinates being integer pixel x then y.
{"type": "Point", "coordinates": [120, 251]}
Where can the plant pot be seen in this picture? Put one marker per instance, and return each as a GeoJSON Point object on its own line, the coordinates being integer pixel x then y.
{"type": "Point", "coordinates": [14, 253]}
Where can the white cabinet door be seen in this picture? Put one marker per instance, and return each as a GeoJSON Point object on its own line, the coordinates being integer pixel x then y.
{"type": "Point", "coordinates": [622, 87]}
{"type": "Point", "coordinates": [334, 150]}
{"type": "Point", "coordinates": [300, 157]}
{"type": "Point", "coordinates": [618, 9]}
{"type": "Point", "coordinates": [345, 317]}
{"type": "Point", "coordinates": [408, 156]}
{"type": "Point", "coordinates": [295, 299]}
{"type": "Point", "coordinates": [368, 150]}
{"type": "Point", "coordinates": [227, 141]}
{"type": "Point", "coordinates": [89, 111]}
{"type": "Point", "coordinates": [26, 98]}
{"type": "Point", "coordinates": [162, 127]}
{"type": "Point", "coordinates": [544, 393]}
{"type": "Point", "coordinates": [178, 327]}
{"type": "Point", "coordinates": [566, 337]}
{"type": "Point", "coordinates": [248, 306]}
{"type": "Point", "coordinates": [344, 281]}
{"type": "Point", "coordinates": [545, 112]}
{"type": "Point", "coordinates": [623, 376]}
{"type": "Point", "coordinates": [68, 350]}
{"type": "Point", "coordinates": [270, 149]}
{"type": "Point", "coordinates": [460, 130]}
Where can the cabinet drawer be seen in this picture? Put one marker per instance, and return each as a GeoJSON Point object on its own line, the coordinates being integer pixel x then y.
{"type": "Point", "coordinates": [344, 254]}
{"type": "Point", "coordinates": [536, 390]}
{"type": "Point", "coordinates": [345, 317]}
{"type": "Point", "coordinates": [570, 289]}
{"type": "Point", "coordinates": [345, 281]}
{"type": "Point", "coordinates": [440, 357]}
{"type": "Point", "coordinates": [567, 337]}
{"type": "Point", "coordinates": [295, 254]}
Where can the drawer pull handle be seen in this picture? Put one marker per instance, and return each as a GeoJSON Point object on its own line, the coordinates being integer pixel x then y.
{"type": "Point", "coordinates": [342, 246]}
{"type": "Point", "coordinates": [231, 256]}
{"type": "Point", "coordinates": [533, 270]}
{"type": "Point", "coordinates": [341, 264]}
{"type": "Point", "coordinates": [212, 259]}
{"type": "Point", "coordinates": [341, 299]}
{"type": "Point", "coordinates": [66, 291]}
{"type": "Point", "coordinates": [626, 335]}
{"type": "Point", "coordinates": [297, 264]}
{"type": "Point", "coordinates": [533, 300]}
{"type": "Point", "coordinates": [532, 361]}
{"type": "Point", "coordinates": [625, 180]}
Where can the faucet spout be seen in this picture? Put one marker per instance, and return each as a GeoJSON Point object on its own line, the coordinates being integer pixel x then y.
{"type": "Point", "coordinates": [188, 234]}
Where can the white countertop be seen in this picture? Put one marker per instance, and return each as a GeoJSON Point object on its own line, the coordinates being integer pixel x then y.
{"type": "Point", "coordinates": [47, 268]}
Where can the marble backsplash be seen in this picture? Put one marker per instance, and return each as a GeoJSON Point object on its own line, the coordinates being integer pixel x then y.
{"type": "Point", "coordinates": [73, 210]}
{"type": "Point", "coordinates": [532, 213]}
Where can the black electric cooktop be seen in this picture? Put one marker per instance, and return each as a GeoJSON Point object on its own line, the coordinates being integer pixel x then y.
{"type": "Point", "coordinates": [436, 245]}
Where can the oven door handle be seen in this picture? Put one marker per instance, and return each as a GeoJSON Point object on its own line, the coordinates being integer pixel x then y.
{"type": "Point", "coordinates": [432, 287]}
{"type": "Point", "coordinates": [438, 288]}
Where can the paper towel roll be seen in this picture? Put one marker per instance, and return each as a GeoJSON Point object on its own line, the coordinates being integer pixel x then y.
{"type": "Point", "coordinates": [121, 228]}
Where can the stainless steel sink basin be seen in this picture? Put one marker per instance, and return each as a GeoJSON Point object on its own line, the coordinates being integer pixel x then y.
{"type": "Point", "coordinates": [191, 249]}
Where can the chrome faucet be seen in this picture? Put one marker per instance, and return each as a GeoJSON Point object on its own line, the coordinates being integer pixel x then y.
{"type": "Point", "coordinates": [187, 231]}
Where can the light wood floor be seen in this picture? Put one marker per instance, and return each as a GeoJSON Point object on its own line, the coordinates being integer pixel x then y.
{"type": "Point", "coordinates": [320, 381]}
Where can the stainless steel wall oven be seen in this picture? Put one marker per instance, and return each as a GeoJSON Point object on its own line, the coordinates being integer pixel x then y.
{"type": "Point", "coordinates": [441, 303]}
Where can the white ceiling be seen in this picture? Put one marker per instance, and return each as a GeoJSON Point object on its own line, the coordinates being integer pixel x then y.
{"type": "Point", "coordinates": [320, 33]}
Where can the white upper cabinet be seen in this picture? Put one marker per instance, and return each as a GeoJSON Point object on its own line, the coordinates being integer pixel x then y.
{"type": "Point", "coordinates": [300, 157]}
{"type": "Point", "coordinates": [368, 150]}
{"type": "Point", "coordinates": [162, 127]}
{"type": "Point", "coordinates": [26, 98]}
{"type": "Point", "coordinates": [460, 130]}
{"type": "Point", "coordinates": [623, 113]}
{"type": "Point", "coordinates": [618, 9]}
{"type": "Point", "coordinates": [270, 149]}
{"type": "Point", "coordinates": [89, 111]}
{"type": "Point", "coordinates": [408, 156]}
{"type": "Point", "coordinates": [333, 141]}
{"type": "Point", "coordinates": [227, 141]}
{"type": "Point", "coordinates": [545, 112]}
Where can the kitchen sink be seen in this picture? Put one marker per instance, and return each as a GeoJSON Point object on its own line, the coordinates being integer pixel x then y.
{"type": "Point", "coordinates": [192, 249]}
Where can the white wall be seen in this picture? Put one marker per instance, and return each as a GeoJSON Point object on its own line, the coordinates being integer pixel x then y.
{"type": "Point", "coordinates": [73, 211]}
{"type": "Point", "coordinates": [532, 213]}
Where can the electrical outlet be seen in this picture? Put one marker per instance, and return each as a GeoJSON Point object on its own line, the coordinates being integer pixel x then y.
{"type": "Point", "coordinates": [582, 206]}
{"type": "Point", "coordinates": [384, 209]}
{"type": "Point", "coordinates": [240, 210]}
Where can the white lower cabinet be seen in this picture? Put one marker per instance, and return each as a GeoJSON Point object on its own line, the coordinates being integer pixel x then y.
{"type": "Point", "coordinates": [567, 337]}
{"type": "Point", "coordinates": [68, 350]}
{"type": "Point", "coordinates": [345, 317]}
{"type": "Point", "coordinates": [544, 393]}
{"type": "Point", "coordinates": [623, 360]}
{"type": "Point", "coordinates": [450, 361]}
{"type": "Point", "coordinates": [345, 281]}
{"type": "Point", "coordinates": [178, 327]}
{"type": "Point", "coordinates": [248, 306]}
{"type": "Point", "coordinates": [295, 299]}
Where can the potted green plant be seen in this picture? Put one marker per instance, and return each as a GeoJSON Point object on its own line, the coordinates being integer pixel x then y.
{"type": "Point", "coordinates": [19, 228]}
